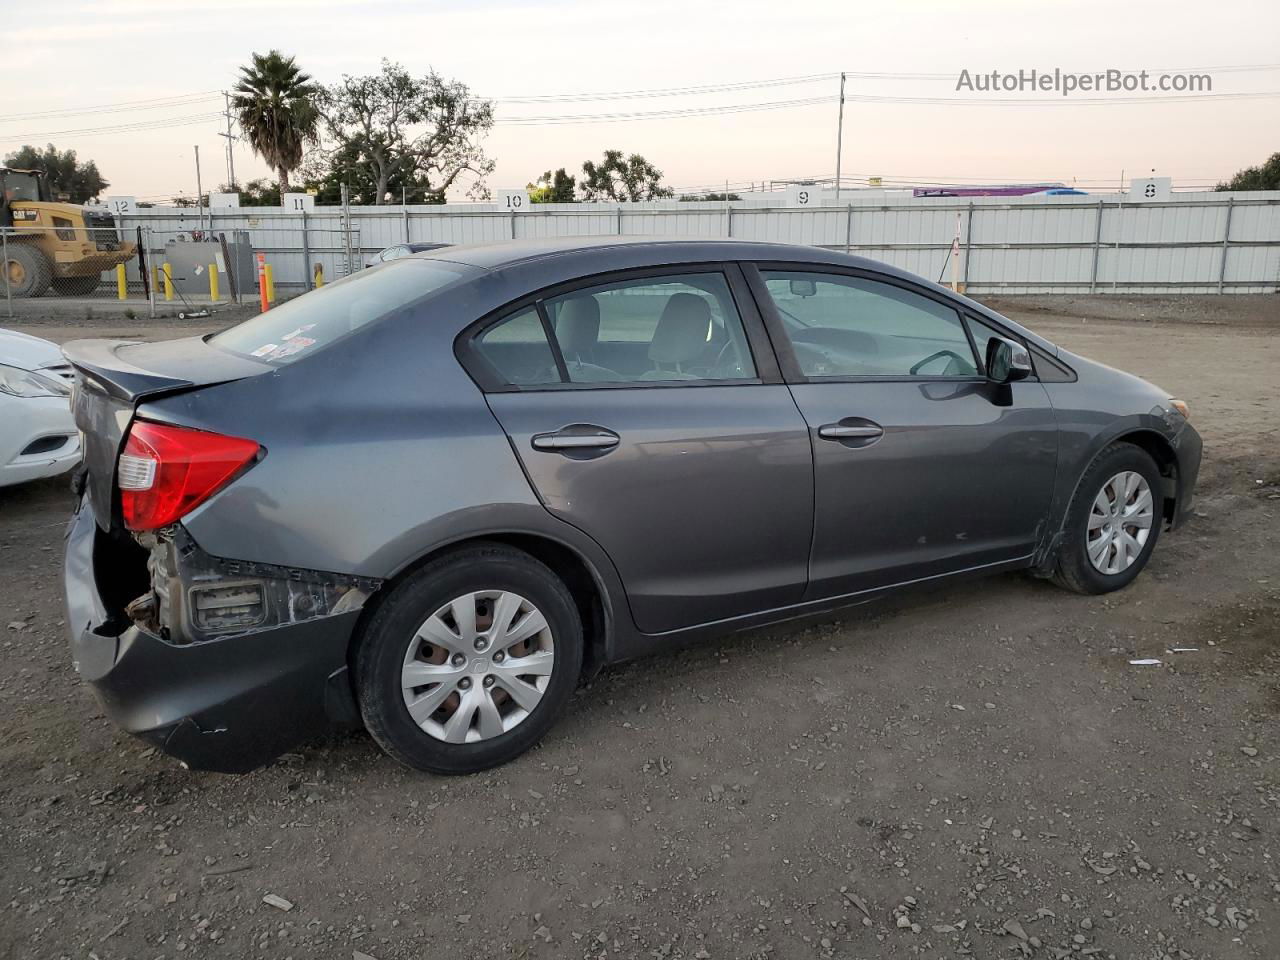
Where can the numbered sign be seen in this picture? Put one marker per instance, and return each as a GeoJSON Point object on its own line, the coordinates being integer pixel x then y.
{"type": "Point", "coordinates": [224, 201]}
{"type": "Point", "coordinates": [511, 201]}
{"type": "Point", "coordinates": [298, 202]}
{"type": "Point", "coordinates": [803, 195]}
{"type": "Point", "coordinates": [1150, 188]}
{"type": "Point", "coordinates": [122, 206]}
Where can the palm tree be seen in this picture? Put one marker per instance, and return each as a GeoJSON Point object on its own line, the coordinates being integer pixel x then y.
{"type": "Point", "coordinates": [275, 104]}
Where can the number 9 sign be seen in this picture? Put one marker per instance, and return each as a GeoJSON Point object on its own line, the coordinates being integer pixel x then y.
{"type": "Point", "coordinates": [802, 195]}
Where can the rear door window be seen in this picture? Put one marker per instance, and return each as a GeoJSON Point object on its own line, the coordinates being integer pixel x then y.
{"type": "Point", "coordinates": [309, 323]}
{"type": "Point", "coordinates": [656, 329]}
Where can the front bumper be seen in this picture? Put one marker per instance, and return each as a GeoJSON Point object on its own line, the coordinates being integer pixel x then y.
{"type": "Point", "coordinates": [1188, 447]}
{"type": "Point", "coordinates": [230, 704]}
{"type": "Point", "coordinates": [25, 421]}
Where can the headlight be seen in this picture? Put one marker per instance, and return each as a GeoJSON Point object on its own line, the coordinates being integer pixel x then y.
{"type": "Point", "coordinates": [1182, 408]}
{"type": "Point", "coordinates": [26, 383]}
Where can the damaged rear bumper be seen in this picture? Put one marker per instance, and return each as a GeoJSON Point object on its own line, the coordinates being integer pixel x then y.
{"type": "Point", "coordinates": [228, 703]}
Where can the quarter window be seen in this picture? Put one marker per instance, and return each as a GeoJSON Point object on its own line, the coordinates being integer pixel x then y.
{"type": "Point", "coordinates": [842, 326]}
{"type": "Point", "coordinates": [518, 349]}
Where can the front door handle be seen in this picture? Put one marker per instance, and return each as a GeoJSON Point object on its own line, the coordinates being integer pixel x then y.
{"type": "Point", "coordinates": [552, 442]}
{"type": "Point", "coordinates": [583, 438]}
{"type": "Point", "coordinates": [850, 431]}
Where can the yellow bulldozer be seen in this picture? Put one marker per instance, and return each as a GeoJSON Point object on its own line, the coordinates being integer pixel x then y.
{"type": "Point", "coordinates": [50, 245]}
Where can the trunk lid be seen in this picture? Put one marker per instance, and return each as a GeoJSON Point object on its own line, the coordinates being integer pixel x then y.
{"type": "Point", "coordinates": [114, 376]}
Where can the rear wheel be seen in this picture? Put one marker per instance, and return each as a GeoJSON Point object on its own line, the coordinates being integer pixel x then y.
{"type": "Point", "coordinates": [469, 661]}
{"type": "Point", "coordinates": [1113, 522]}
{"type": "Point", "coordinates": [27, 269]}
{"type": "Point", "coordinates": [75, 286]}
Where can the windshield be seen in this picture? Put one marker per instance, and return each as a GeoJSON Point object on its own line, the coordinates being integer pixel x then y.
{"type": "Point", "coordinates": [21, 186]}
{"type": "Point", "coordinates": [311, 322]}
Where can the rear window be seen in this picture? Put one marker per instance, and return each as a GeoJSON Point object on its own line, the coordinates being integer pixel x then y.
{"type": "Point", "coordinates": [311, 322]}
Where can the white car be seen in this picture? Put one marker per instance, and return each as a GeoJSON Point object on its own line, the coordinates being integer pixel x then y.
{"type": "Point", "coordinates": [38, 438]}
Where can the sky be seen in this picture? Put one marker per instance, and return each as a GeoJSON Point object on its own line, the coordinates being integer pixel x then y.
{"type": "Point", "coordinates": [77, 63]}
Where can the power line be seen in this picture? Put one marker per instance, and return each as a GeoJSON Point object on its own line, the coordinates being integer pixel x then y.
{"type": "Point", "coordinates": [1062, 101]}
{"type": "Point", "coordinates": [664, 114]}
{"type": "Point", "coordinates": [177, 100]}
{"type": "Point", "coordinates": [727, 87]}
{"type": "Point", "coordinates": [157, 124]}
{"type": "Point", "coordinates": [687, 90]}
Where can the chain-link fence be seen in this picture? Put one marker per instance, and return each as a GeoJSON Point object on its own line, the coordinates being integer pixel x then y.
{"type": "Point", "coordinates": [68, 259]}
{"type": "Point", "coordinates": [146, 270]}
{"type": "Point", "coordinates": [166, 260]}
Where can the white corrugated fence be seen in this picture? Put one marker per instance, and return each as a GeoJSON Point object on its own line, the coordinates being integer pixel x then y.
{"type": "Point", "coordinates": [1190, 243]}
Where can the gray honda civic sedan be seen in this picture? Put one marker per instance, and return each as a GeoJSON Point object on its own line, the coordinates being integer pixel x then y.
{"type": "Point", "coordinates": [432, 497]}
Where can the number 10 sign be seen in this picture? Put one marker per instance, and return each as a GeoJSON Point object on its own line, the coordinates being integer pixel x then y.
{"type": "Point", "coordinates": [511, 201]}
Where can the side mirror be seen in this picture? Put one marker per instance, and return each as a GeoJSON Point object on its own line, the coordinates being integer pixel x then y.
{"type": "Point", "coordinates": [1007, 361]}
{"type": "Point", "coordinates": [803, 288]}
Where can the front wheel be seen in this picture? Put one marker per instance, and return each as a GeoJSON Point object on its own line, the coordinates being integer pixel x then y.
{"type": "Point", "coordinates": [27, 270]}
{"type": "Point", "coordinates": [1113, 522]}
{"type": "Point", "coordinates": [469, 661]}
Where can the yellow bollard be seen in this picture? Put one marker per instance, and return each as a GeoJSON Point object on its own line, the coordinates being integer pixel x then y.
{"type": "Point", "coordinates": [155, 278]}
{"type": "Point", "coordinates": [271, 283]}
{"type": "Point", "coordinates": [168, 281]}
{"type": "Point", "coordinates": [213, 282]}
{"type": "Point", "coordinates": [122, 283]}
{"type": "Point", "coordinates": [318, 275]}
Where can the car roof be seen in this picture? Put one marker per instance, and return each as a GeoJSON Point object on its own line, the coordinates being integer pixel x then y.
{"type": "Point", "coordinates": [491, 256]}
{"type": "Point", "coordinates": [584, 256]}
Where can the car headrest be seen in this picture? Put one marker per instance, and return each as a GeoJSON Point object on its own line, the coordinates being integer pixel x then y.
{"type": "Point", "coordinates": [681, 335]}
{"type": "Point", "coordinates": [578, 325]}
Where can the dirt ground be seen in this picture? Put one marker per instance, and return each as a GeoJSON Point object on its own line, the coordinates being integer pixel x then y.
{"type": "Point", "coordinates": [974, 772]}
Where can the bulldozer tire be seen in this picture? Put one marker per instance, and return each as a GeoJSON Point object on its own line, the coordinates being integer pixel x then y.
{"type": "Point", "coordinates": [28, 271]}
{"type": "Point", "coordinates": [74, 286]}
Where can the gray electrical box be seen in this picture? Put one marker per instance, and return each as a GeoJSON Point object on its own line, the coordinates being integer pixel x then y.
{"type": "Point", "coordinates": [189, 262]}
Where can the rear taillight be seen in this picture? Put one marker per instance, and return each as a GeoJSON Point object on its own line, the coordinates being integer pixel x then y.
{"type": "Point", "coordinates": [166, 472]}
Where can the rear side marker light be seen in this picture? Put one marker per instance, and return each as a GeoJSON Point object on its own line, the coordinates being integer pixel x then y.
{"type": "Point", "coordinates": [165, 472]}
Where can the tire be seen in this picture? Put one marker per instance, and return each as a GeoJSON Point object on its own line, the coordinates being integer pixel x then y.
{"type": "Point", "coordinates": [75, 286]}
{"type": "Point", "coordinates": [28, 270]}
{"type": "Point", "coordinates": [1112, 567]}
{"type": "Point", "coordinates": [421, 607]}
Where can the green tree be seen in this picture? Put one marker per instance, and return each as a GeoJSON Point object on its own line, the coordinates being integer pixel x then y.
{"type": "Point", "coordinates": [397, 136]}
{"type": "Point", "coordinates": [255, 193]}
{"type": "Point", "coordinates": [274, 103]}
{"type": "Point", "coordinates": [622, 178]}
{"type": "Point", "coordinates": [705, 197]}
{"type": "Point", "coordinates": [346, 164]}
{"type": "Point", "coordinates": [551, 187]}
{"type": "Point", "coordinates": [68, 178]}
{"type": "Point", "coordinates": [1265, 177]}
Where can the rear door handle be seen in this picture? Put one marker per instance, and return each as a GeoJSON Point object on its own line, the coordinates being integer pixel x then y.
{"type": "Point", "coordinates": [847, 431]}
{"type": "Point", "coordinates": [578, 437]}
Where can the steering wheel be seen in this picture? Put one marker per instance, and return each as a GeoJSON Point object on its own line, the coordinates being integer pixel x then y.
{"type": "Point", "coordinates": [915, 370]}
{"type": "Point", "coordinates": [723, 356]}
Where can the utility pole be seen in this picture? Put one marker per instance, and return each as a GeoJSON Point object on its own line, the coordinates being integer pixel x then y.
{"type": "Point", "coordinates": [346, 228]}
{"type": "Point", "coordinates": [231, 160]}
{"type": "Point", "coordinates": [839, 136]}
{"type": "Point", "coordinates": [199, 190]}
